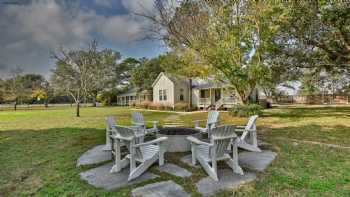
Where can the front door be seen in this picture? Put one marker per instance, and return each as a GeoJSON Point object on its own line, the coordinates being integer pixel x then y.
{"type": "Point", "coordinates": [217, 94]}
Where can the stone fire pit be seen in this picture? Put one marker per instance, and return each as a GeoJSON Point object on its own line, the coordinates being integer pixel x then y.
{"type": "Point", "coordinates": [177, 141]}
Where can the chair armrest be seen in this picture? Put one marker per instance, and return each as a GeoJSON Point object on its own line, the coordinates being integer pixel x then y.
{"type": "Point", "coordinates": [197, 141]}
{"type": "Point", "coordinates": [153, 121]}
{"type": "Point", "coordinates": [117, 137]}
{"type": "Point", "coordinates": [138, 123]}
{"type": "Point", "coordinates": [158, 140]}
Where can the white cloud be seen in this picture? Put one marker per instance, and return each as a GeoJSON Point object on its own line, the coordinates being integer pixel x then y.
{"type": "Point", "coordinates": [123, 28]}
{"type": "Point", "coordinates": [29, 32]}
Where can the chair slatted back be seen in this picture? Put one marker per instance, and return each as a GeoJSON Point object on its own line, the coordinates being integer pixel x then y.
{"type": "Point", "coordinates": [213, 117]}
{"type": "Point", "coordinates": [251, 125]}
{"type": "Point", "coordinates": [125, 132]}
{"type": "Point", "coordinates": [137, 117]}
{"type": "Point", "coordinates": [110, 124]}
{"type": "Point", "coordinates": [222, 137]}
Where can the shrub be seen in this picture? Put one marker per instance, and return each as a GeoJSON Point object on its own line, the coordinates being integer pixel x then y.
{"type": "Point", "coordinates": [132, 103]}
{"type": "Point", "coordinates": [156, 106]}
{"type": "Point", "coordinates": [182, 106]}
{"type": "Point", "coordinates": [246, 110]}
{"type": "Point", "coordinates": [144, 104]}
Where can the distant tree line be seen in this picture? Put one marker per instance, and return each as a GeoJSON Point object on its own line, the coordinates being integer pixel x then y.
{"type": "Point", "coordinates": [90, 74]}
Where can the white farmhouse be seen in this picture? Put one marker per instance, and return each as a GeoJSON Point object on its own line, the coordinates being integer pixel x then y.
{"type": "Point", "coordinates": [169, 90]}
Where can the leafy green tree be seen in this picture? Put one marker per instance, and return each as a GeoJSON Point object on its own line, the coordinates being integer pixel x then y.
{"type": "Point", "coordinates": [125, 69]}
{"type": "Point", "coordinates": [232, 36]}
{"type": "Point", "coordinates": [18, 88]}
{"type": "Point", "coordinates": [102, 63]}
{"type": "Point", "coordinates": [146, 72]}
{"type": "Point", "coordinates": [185, 63]}
{"type": "Point", "coordinates": [314, 35]}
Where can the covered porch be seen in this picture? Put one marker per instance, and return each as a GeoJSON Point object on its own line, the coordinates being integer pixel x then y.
{"type": "Point", "coordinates": [133, 97]}
{"type": "Point", "coordinates": [216, 98]}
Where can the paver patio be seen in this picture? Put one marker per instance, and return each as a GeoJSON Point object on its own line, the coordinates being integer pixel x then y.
{"type": "Point", "coordinates": [94, 156]}
{"type": "Point", "coordinates": [101, 177]}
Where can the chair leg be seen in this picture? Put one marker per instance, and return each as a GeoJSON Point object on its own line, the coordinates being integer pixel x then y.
{"type": "Point", "coordinates": [136, 172]}
{"type": "Point", "coordinates": [108, 142]}
{"type": "Point", "coordinates": [161, 154]}
{"type": "Point", "coordinates": [118, 163]}
{"type": "Point", "coordinates": [208, 169]}
{"type": "Point", "coordinates": [194, 154]}
{"type": "Point", "coordinates": [253, 139]}
{"type": "Point", "coordinates": [233, 163]}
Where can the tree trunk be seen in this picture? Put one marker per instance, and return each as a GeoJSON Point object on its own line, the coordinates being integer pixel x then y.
{"type": "Point", "coordinates": [15, 104]}
{"type": "Point", "coordinates": [46, 103]}
{"type": "Point", "coordinates": [190, 95]}
{"type": "Point", "coordinates": [94, 100]}
{"type": "Point", "coordinates": [78, 108]}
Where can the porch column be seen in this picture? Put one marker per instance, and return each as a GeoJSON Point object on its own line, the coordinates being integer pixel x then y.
{"type": "Point", "coordinates": [210, 98]}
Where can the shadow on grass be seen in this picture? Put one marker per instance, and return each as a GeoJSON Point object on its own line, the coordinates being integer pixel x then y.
{"type": "Point", "coordinates": [301, 112]}
{"type": "Point", "coordinates": [338, 134]}
{"type": "Point", "coordinates": [30, 159]}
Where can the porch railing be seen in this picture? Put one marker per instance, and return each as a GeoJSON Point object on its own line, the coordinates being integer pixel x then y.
{"type": "Point", "coordinates": [204, 101]}
{"type": "Point", "coordinates": [223, 100]}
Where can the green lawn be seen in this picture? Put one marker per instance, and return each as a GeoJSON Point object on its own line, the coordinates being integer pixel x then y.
{"type": "Point", "coordinates": [39, 149]}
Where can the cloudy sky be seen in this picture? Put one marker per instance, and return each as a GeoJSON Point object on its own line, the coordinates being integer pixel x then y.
{"type": "Point", "coordinates": [31, 29]}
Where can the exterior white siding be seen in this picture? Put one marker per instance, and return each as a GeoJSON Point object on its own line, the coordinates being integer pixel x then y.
{"type": "Point", "coordinates": [195, 97]}
{"type": "Point", "coordinates": [164, 83]}
{"type": "Point", "coordinates": [181, 90]}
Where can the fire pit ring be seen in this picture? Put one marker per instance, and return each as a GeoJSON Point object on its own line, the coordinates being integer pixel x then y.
{"type": "Point", "coordinates": [177, 141]}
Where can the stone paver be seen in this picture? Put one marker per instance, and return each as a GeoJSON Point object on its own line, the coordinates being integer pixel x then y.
{"type": "Point", "coordinates": [175, 170]}
{"type": "Point", "coordinates": [256, 161]}
{"type": "Point", "coordinates": [100, 177]}
{"type": "Point", "coordinates": [161, 189]}
{"type": "Point", "coordinates": [94, 156]}
{"type": "Point", "coordinates": [227, 181]}
{"type": "Point", "coordinates": [188, 160]}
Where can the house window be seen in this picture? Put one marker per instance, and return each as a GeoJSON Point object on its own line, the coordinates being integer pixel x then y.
{"type": "Point", "coordinates": [160, 95]}
{"type": "Point", "coordinates": [164, 95]}
{"type": "Point", "coordinates": [181, 94]}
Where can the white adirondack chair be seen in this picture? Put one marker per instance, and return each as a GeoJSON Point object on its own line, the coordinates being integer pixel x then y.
{"type": "Point", "coordinates": [110, 123]}
{"type": "Point", "coordinates": [223, 140]}
{"type": "Point", "coordinates": [141, 155]}
{"type": "Point", "coordinates": [139, 121]}
{"type": "Point", "coordinates": [212, 122]}
{"type": "Point", "coordinates": [248, 139]}
{"type": "Point", "coordinates": [111, 131]}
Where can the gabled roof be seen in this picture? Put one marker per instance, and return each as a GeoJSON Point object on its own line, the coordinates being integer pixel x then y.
{"type": "Point", "coordinates": [197, 83]}
{"type": "Point", "coordinates": [200, 83]}
{"type": "Point", "coordinates": [172, 78]}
